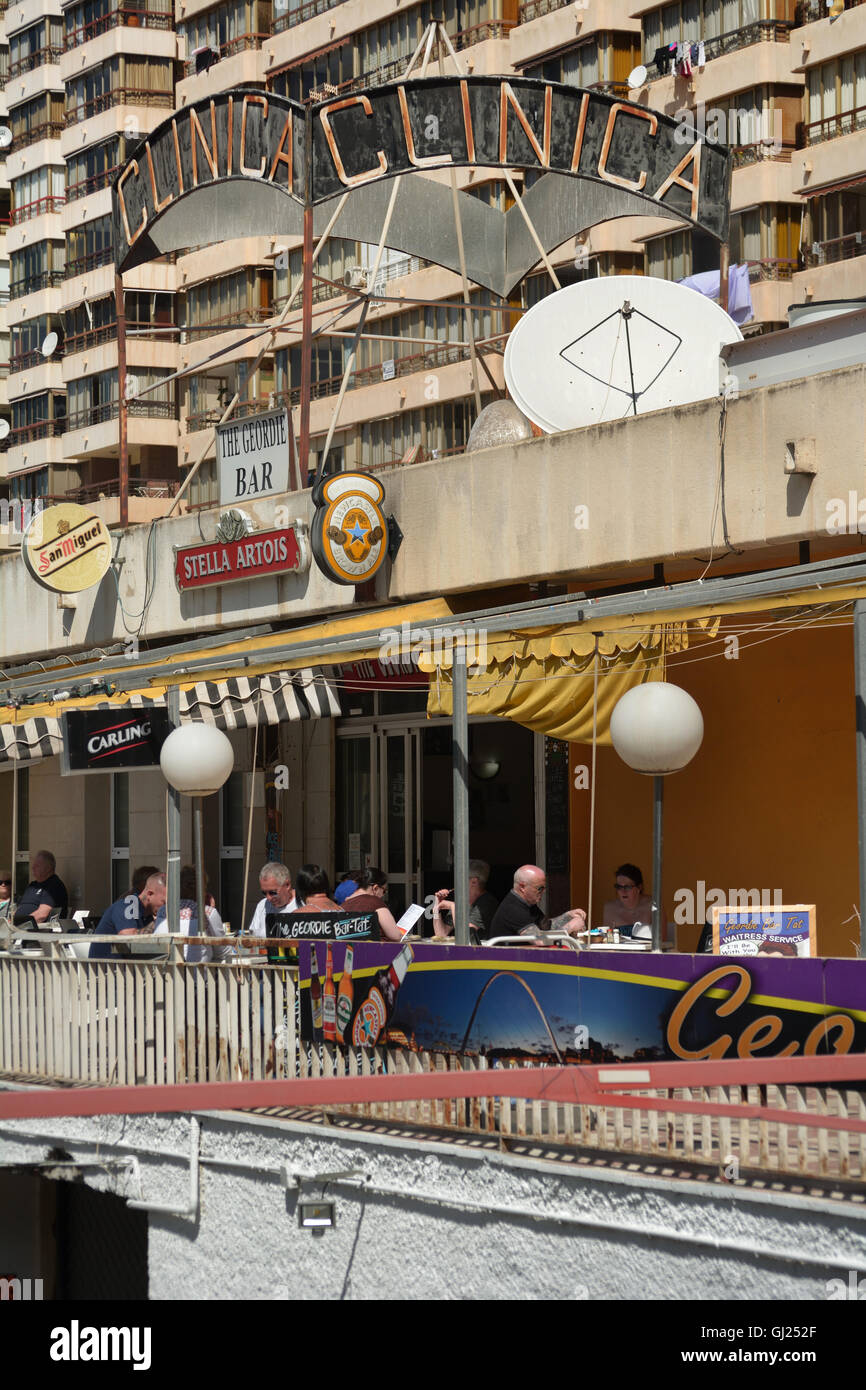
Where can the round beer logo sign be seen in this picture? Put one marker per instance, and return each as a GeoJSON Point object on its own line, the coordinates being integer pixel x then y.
{"type": "Point", "coordinates": [67, 548]}
{"type": "Point", "coordinates": [349, 531]}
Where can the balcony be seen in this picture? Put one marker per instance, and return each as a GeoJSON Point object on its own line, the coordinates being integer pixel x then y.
{"type": "Point", "coordinates": [93, 259]}
{"type": "Point", "coordinates": [306, 11]}
{"type": "Point", "coordinates": [808, 11]}
{"type": "Point", "coordinates": [41, 429]}
{"type": "Point", "coordinates": [391, 72]}
{"type": "Point", "coordinates": [93, 184]}
{"type": "Point", "coordinates": [46, 130]}
{"type": "Point", "coordinates": [118, 96]}
{"type": "Point", "coordinates": [34, 60]}
{"type": "Point", "coordinates": [29, 284]}
{"type": "Point", "coordinates": [830, 126]}
{"type": "Point", "coordinates": [241, 44]}
{"type": "Point", "coordinates": [534, 9]}
{"type": "Point", "coordinates": [38, 208]}
{"type": "Point", "coordinates": [23, 361]}
{"type": "Point", "coordinates": [744, 155]}
{"type": "Point", "coordinates": [136, 19]}
{"type": "Point", "coordinates": [841, 248]}
{"type": "Point", "coordinates": [441, 355]}
{"type": "Point", "coordinates": [101, 414]}
{"type": "Point", "coordinates": [761, 31]}
{"type": "Point", "coordinates": [138, 487]}
{"type": "Point", "coordinates": [774, 268]}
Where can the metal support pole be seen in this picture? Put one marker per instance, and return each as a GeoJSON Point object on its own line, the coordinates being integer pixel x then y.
{"type": "Point", "coordinates": [460, 758]}
{"type": "Point", "coordinates": [172, 818]}
{"type": "Point", "coordinates": [724, 267]}
{"type": "Point", "coordinates": [199, 864]}
{"type": "Point", "coordinates": [658, 807]}
{"type": "Point", "coordinates": [14, 895]}
{"type": "Point", "coordinates": [123, 444]}
{"type": "Point", "coordinates": [860, 727]}
{"type": "Point", "coordinates": [306, 319]}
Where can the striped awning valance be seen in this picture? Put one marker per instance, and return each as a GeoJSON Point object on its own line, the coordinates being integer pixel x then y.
{"type": "Point", "coordinates": [235, 703]}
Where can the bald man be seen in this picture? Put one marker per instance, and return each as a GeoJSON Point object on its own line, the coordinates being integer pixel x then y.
{"type": "Point", "coordinates": [520, 910]}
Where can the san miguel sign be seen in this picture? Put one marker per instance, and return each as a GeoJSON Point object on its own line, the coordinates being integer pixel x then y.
{"type": "Point", "coordinates": [602, 158]}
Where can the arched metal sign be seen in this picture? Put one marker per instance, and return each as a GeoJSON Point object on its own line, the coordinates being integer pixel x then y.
{"type": "Point", "coordinates": [244, 162]}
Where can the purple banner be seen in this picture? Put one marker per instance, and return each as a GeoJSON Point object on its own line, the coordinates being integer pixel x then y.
{"type": "Point", "coordinates": [590, 1006]}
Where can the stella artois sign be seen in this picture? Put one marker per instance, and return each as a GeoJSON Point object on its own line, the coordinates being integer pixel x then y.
{"type": "Point", "coordinates": [67, 548]}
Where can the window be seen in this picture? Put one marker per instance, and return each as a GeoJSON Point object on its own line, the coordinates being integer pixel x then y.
{"type": "Point", "coordinates": [36, 267]}
{"type": "Point", "coordinates": [88, 246]}
{"type": "Point", "coordinates": [691, 20]}
{"type": "Point", "coordinates": [580, 67]}
{"type": "Point", "coordinates": [40, 118]}
{"type": "Point", "coordinates": [91, 168]}
{"type": "Point", "coordinates": [836, 101]}
{"type": "Point", "coordinates": [676, 255]}
{"type": "Point", "coordinates": [230, 299]}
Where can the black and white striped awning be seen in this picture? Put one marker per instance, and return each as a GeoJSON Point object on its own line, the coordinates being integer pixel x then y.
{"type": "Point", "coordinates": [236, 703]}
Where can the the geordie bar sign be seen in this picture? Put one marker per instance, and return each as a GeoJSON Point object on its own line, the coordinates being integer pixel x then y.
{"type": "Point", "coordinates": [637, 155]}
{"type": "Point", "coordinates": [253, 556]}
{"type": "Point", "coordinates": [253, 457]}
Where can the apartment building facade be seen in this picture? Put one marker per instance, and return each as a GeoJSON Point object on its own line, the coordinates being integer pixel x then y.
{"type": "Point", "coordinates": [784, 85]}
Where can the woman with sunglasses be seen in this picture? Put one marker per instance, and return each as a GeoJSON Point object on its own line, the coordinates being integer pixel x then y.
{"type": "Point", "coordinates": [631, 904]}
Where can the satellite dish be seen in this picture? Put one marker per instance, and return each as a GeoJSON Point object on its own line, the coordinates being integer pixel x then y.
{"type": "Point", "coordinates": [132, 385]}
{"type": "Point", "coordinates": [615, 346]}
{"type": "Point", "coordinates": [4, 429]}
{"type": "Point", "coordinates": [5, 137]}
{"type": "Point", "coordinates": [637, 76]}
{"type": "Point", "coordinates": [281, 259]}
{"type": "Point", "coordinates": [49, 344]}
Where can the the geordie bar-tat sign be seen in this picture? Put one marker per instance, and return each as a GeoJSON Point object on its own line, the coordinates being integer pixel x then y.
{"type": "Point", "coordinates": [253, 457]}
{"type": "Point", "coordinates": [67, 548]}
{"type": "Point", "coordinates": [253, 556]}
{"type": "Point", "coordinates": [105, 740]}
{"type": "Point", "coordinates": [635, 161]}
{"type": "Point", "coordinates": [767, 931]}
{"type": "Point", "coordinates": [319, 926]}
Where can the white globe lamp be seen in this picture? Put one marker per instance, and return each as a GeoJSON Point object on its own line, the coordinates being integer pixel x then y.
{"type": "Point", "coordinates": [196, 760]}
{"type": "Point", "coordinates": [656, 729]}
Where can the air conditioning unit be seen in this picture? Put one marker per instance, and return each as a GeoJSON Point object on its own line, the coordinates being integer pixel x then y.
{"type": "Point", "coordinates": [356, 278]}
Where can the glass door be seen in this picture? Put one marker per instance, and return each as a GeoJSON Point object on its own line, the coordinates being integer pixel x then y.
{"type": "Point", "coordinates": [357, 818]}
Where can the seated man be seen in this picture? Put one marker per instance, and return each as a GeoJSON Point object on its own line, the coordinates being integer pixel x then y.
{"type": "Point", "coordinates": [482, 905]}
{"type": "Point", "coordinates": [520, 912]}
{"type": "Point", "coordinates": [131, 914]}
{"type": "Point", "coordinates": [632, 904]}
{"type": "Point", "coordinates": [44, 894]}
{"type": "Point", "coordinates": [275, 881]}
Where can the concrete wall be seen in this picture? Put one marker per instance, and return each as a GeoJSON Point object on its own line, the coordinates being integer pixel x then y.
{"type": "Point", "coordinates": [429, 1221]}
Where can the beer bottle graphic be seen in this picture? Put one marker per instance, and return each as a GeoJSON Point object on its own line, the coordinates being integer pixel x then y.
{"type": "Point", "coordinates": [389, 981]}
{"type": "Point", "coordinates": [344, 997]}
{"type": "Point", "coordinates": [315, 990]}
{"type": "Point", "coordinates": [329, 1000]}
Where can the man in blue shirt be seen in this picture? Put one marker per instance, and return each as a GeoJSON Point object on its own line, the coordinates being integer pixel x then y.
{"type": "Point", "coordinates": [132, 913]}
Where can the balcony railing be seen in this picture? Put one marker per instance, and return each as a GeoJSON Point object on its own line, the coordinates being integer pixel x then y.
{"type": "Point", "coordinates": [200, 419]}
{"type": "Point", "coordinates": [40, 429]}
{"type": "Point", "coordinates": [438, 355]}
{"type": "Point", "coordinates": [830, 126]}
{"type": "Point", "coordinates": [773, 268]}
{"type": "Point", "coordinates": [24, 361]}
{"type": "Point", "coordinates": [391, 72]}
{"type": "Point", "coordinates": [840, 248]}
{"type": "Point", "coordinates": [226, 323]}
{"type": "Point", "coordinates": [756, 153]}
{"type": "Point", "coordinates": [760, 31]}
{"type": "Point", "coordinates": [809, 10]}
{"type": "Point", "coordinates": [90, 185]}
{"type": "Point", "coordinates": [42, 280]}
{"type": "Point", "coordinates": [118, 96]}
{"type": "Point", "coordinates": [241, 44]}
{"type": "Point", "coordinates": [101, 414]}
{"type": "Point", "coordinates": [302, 12]}
{"type": "Point", "coordinates": [90, 337]}
{"type": "Point", "coordinates": [45, 130]}
{"type": "Point", "coordinates": [35, 60]}
{"type": "Point", "coordinates": [140, 19]}
{"type": "Point", "coordinates": [38, 208]}
{"type": "Point", "coordinates": [79, 264]}
{"type": "Point", "coordinates": [533, 9]}
{"type": "Point", "coordinates": [138, 487]}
